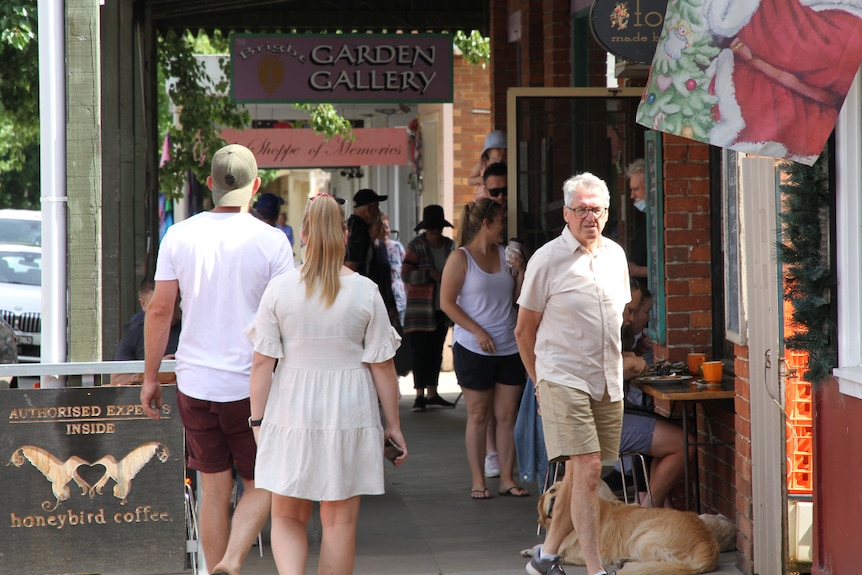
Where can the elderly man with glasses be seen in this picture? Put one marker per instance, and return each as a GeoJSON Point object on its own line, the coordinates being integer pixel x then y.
{"type": "Point", "coordinates": [568, 334]}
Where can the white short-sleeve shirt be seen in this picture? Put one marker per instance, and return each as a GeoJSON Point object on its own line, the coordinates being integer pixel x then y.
{"type": "Point", "coordinates": [581, 296]}
{"type": "Point", "coordinates": [223, 263]}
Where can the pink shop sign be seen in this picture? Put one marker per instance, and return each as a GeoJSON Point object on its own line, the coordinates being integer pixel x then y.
{"type": "Point", "coordinates": [302, 148]}
{"type": "Point", "coordinates": [373, 68]}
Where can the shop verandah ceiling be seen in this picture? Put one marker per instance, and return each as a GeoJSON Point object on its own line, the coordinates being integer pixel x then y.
{"type": "Point", "coordinates": [318, 16]}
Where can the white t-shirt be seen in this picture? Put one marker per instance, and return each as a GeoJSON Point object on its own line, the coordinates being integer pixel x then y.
{"type": "Point", "coordinates": [223, 263]}
{"type": "Point", "coordinates": [581, 296]}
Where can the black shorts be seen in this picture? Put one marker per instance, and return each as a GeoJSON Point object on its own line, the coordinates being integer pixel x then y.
{"type": "Point", "coordinates": [480, 372]}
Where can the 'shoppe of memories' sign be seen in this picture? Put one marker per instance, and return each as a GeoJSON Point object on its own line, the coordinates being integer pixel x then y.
{"type": "Point", "coordinates": [302, 148]}
{"type": "Point", "coordinates": [90, 484]}
{"type": "Point", "coordinates": [297, 68]}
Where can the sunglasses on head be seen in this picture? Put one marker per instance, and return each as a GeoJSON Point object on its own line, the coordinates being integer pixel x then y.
{"type": "Point", "coordinates": [495, 192]}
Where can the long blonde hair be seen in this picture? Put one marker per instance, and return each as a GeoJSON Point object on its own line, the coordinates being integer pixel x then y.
{"type": "Point", "coordinates": [323, 227]}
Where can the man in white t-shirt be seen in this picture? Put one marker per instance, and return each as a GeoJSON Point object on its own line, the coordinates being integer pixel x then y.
{"type": "Point", "coordinates": [568, 333]}
{"type": "Point", "coordinates": [219, 262]}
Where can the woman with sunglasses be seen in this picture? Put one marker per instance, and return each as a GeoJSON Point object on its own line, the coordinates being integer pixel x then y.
{"type": "Point", "coordinates": [316, 419]}
{"type": "Point", "coordinates": [478, 292]}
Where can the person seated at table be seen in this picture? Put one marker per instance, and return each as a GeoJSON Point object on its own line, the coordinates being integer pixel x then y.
{"type": "Point", "coordinates": [131, 347]}
{"type": "Point", "coordinates": [648, 433]}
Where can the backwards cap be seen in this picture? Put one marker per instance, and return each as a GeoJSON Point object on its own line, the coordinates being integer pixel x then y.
{"type": "Point", "coordinates": [234, 170]}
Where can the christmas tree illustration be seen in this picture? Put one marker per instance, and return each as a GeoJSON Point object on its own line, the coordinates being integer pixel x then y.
{"type": "Point", "coordinates": [677, 98]}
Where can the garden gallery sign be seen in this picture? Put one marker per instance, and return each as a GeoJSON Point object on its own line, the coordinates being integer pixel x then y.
{"type": "Point", "coordinates": [298, 68]}
{"type": "Point", "coordinates": [90, 484]}
{"type": "Point", "coordinates": [629, 30]}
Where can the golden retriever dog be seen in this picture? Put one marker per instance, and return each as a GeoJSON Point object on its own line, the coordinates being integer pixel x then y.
{"type": "Point", "coordinates": [644, 540]}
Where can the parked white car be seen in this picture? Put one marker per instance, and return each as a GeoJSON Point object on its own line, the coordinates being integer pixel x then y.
{"type": "Point", "coordinates": [21, 227]}
{"type": "Point", "coordinates": [21, 296]}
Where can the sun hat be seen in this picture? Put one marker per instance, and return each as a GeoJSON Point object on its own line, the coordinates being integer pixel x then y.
{"type": "Point", "coordinates": [496, 139]}
{"type": "Point", "coordinates": [233, 172]}
{"type": "Point", "coordinates": [365, 196]}
{"type": "Point", "coordinates": [432, 219]}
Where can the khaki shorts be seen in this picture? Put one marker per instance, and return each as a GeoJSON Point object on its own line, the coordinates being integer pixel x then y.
{"type": "Point", "coordinates": [576, 424]}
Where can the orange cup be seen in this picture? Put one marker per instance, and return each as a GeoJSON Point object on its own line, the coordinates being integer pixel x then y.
{"type": "Point", "coordinates": [712, 371]}
{"type": "Point", "coordinates": [695, 360]}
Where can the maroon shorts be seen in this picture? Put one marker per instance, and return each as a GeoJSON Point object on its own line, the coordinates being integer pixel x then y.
{"type": "Point", "coordinates": [217, 435]}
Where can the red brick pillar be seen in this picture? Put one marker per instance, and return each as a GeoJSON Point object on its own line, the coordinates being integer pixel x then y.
{"type": "Point", "coordinates": [688, 285]}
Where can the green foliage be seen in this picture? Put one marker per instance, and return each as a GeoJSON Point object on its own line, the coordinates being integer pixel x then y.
{"type": "Point", "coordinates": [326, 120]}
{"type": "Point", "coordinates": [475, 48]}
{"type": "Point", "coordinates": [808, 279]}
{"type": "Point", "coordinates": [19, 105]}
{"type": "Point", "coordinates": [203, 109]}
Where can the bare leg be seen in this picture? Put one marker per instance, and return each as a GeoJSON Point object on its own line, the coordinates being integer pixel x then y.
{"type": "Point", "coordinates": [250, 514]}
{"type": "Point", "coordinates": [561, 519]}
{"type": "Point", "coordinates": [587, 472]}
{"type": "Point", "coordinates": [214, 516]}
{"type": "Point", "coordinates": [506, 400]}
{"type": "Point", "coordinates": [338, 544]}
{"type": "Point", "coordinates": [668, 466]}
{"type": "Point", "coordinates": [289, 539]}
{"type": "Point", "coordinates": [478, 406]}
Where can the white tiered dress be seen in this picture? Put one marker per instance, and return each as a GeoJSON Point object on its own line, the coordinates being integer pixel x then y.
{"type": "Point", "coordinates": [321, 438]}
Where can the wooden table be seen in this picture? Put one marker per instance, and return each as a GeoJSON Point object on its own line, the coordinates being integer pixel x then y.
{"type": "Point", "coordinates": [689, 395]}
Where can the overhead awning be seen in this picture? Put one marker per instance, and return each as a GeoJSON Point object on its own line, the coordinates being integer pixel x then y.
{"type": "Point", "coordinates": [326, 16]}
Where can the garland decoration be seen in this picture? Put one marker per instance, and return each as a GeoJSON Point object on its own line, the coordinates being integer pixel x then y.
{"type": "Point", "coordinates": [808, 279]}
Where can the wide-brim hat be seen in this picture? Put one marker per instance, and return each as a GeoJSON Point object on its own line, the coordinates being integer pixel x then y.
{"type": "Point", "coordinates": [233, 172]}
{"type": "Point", "coordinates": [365, 196]}
{"type": "Point", "coordinates": [432, 219]}
{"type": "Point", "coordinates": [496, 139]}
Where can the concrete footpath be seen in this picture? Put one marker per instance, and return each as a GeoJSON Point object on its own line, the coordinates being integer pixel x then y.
{"type": "Point", "coordinates": [426, 523]}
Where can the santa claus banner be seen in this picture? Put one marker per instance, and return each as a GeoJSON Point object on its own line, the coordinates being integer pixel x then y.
{"type": "Point", "coordinates": [758, 76]}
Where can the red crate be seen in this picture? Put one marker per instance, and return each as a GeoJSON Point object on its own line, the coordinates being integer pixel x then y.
{"type": "Point", "coordinates": [796, 359]}
{"type": "Point", "coordinates": [800, 410]}
{"type": "Point", "coordinates": [799, 482]}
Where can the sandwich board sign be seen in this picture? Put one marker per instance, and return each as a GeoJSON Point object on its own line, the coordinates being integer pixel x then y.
{"type": "Point", "coordinates": [90, 484]}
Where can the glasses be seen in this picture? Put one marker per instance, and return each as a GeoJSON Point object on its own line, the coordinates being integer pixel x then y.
{"type": "Point", "coordinates": [495, 192]}
{"type": "Point", "coordinates": [582, 212]}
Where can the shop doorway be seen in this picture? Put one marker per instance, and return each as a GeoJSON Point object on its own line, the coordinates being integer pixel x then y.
{"type": "Point", "coordinates": [557, 132]}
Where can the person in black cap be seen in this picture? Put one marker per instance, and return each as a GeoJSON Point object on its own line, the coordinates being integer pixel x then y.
{"type": "Point", "coordinates": [366, 209]}
{"type": "Point", "coordinates": [425, 325]}
{"type": "Point", "coordinates": [268, 206]}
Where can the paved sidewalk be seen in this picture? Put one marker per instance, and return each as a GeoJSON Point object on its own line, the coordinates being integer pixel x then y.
{"type": "Point", "coordinates": [426, 523]}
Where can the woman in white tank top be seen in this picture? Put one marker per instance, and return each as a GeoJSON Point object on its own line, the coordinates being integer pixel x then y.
{"type": "Point", "coordinates": [477, 292]}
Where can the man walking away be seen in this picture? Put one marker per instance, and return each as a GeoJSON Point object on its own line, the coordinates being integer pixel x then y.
{"type": "Point", "coordinates": [219, 262]}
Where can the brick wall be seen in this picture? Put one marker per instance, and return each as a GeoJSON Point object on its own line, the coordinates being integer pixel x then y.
{"type": "Point", "coordinates": [471, 123]}
{"type": "Point", "coordinates": [687, 232]}
{"type": "Point", "coordinates": [742, 463]}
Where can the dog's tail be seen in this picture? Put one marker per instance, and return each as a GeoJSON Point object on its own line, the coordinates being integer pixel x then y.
{"type": "Point", "coordinates": [660, 568]}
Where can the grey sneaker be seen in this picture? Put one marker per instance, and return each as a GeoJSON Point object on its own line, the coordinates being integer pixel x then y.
{"type": "Point", "coordinates": [538, 566]}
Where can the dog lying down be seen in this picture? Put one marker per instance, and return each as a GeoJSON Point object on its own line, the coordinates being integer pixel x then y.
{"type": "Point", "coordinates": [646, 540]}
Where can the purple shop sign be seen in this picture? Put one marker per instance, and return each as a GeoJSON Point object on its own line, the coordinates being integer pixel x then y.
{"type": "Point", "coordinates": [300, 68]}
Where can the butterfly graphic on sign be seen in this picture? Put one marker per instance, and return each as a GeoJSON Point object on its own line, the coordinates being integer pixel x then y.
{"type": "Point", "coordinates": [60, 473]}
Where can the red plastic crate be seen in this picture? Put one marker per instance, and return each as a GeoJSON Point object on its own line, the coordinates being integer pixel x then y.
{"type": "Point", "coordinates": [796, 359]}
{"type": "Point", "coordinates": [799, 482]}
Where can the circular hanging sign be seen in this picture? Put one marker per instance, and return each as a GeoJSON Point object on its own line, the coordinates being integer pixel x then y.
{"type": "Point", "coordinates": [629, 30]}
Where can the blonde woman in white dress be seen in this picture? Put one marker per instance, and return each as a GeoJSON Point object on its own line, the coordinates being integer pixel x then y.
{"type": "Point", "coordinates": [317, 419]}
